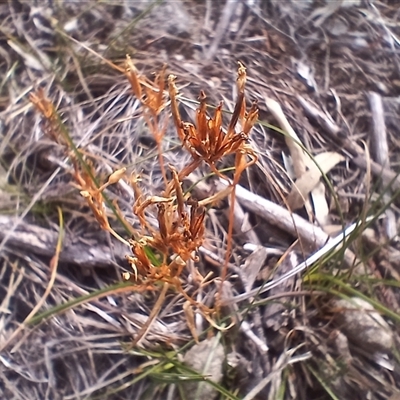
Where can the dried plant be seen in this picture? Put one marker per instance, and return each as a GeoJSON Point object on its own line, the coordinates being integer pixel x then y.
{"type": "Point", "coordinates": [206, 141]}
{"type": "Point", "coordinates": [161, 253]}
{"type": "Point", "coordinates": [153, 99]}
{"type": "Point", "coordinates": [178, 237]}
{"type": "Point", "coordinates": [51, 123]}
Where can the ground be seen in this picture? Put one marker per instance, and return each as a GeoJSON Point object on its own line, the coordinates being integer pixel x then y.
{"type": "Point", "coordinates": [277, 308]}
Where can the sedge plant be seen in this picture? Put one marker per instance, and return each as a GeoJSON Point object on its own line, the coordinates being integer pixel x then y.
{"type": "Point", "coordinates": [160, 253]}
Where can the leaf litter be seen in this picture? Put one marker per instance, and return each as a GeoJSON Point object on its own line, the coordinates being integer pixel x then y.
{"type": "Point", "coordinates": [292, 338]}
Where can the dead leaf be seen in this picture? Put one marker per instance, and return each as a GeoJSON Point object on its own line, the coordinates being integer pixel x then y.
{"type": "Point", "coordinates": [306, 73]}
{"type": "Point", "coordinates": [252, 266]}
{"type": "Point", "coordinates": [299, 157]}
{"type": "Point", "coordinates": [321, 209]}
{"type": "Point", "coordinates": [310, 179]}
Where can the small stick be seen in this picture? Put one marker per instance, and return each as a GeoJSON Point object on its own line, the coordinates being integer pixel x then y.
{"type": "Point", "coordinates": [380, 152]}
{"type": "Point", "coordinates": [312, 236]}
{"type": "Point", "coordinates": [222, 26]}
{"type": "Point", "coordinates": [280, 217]}
{"type": "Point", "coordinates": [380, 148]}
{"type": "Point", "coordinates": [336, 241]}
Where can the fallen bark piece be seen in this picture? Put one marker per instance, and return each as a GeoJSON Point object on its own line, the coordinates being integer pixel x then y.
{"type": "Point", "coordinates": [41, 241]}
{"type": "Point", "coordinates": [380, 152]}
{"type": "Point", "coordinates": [362, 325]}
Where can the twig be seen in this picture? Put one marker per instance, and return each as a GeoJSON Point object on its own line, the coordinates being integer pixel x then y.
{"type": "Point", "coordinates": [380, 152]}
{"type": "Point", "coordinates": [278, 216]}
{"type": "Point", "coordinates": [222, 26]}
{"type": "Point", "coordinates": [246, 329]}
{"type": "Point", "coordinates": [140, 335]}
{"type": "Point", "coordinates": [380, 149]}
{"type": "Point", "coordinates": [337, 241]}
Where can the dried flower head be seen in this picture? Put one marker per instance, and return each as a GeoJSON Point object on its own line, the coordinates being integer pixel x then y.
{"type": "Point", "coordinates": [150, 93]}
{"type": "Point", "coordinates": [206, 140]}
{"type": "Point", "coordinates": [51, 124]}
{"type": "Point", "coordinates": [179, 235]}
